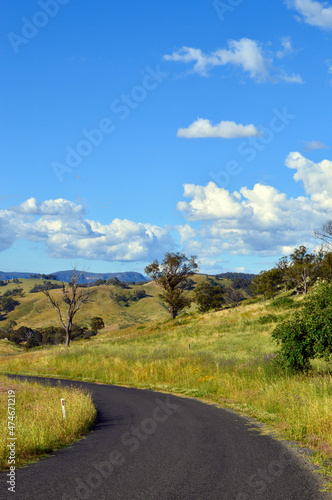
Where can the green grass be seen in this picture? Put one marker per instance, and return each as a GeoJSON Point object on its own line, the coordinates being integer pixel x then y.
{"type": "Point", "coordinates": [229, 362]}
{"type": "Point", "coordinates": [39, 427]}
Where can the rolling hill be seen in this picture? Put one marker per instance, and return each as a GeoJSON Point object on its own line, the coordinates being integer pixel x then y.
{"type": "Point", "coordinates": [34, 310]}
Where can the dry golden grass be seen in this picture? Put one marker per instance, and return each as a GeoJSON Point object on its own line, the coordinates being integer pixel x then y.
{"type": "Point", "coordinates": [39, 427]}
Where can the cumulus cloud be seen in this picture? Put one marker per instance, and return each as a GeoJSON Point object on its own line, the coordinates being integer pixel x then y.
{"type": "Point", "coordinates": [249, 55]}
{"type": "Point", "coordinates": [49, 207]}
{"type": "Point", "coordinates": [311, 145]}
{"type": "Point", "coordinates": [312, 12]}
{"type": "Point", "coordinates": [316, 177]}
{"type": "Point", "coordinates": [202, 128]}
{"type": "Point", "coordinates": [62, 225]}
{"type": "Point", "coordinates": [262, 219]}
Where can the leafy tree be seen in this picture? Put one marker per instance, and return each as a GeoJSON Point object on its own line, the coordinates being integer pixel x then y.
{"type": "Point", "coordinates": [73, 298]}
{"type": "Point", "coordinates": [116, 282]}
{"type": "Point", "coordinates": [81, 332]}
{"type": "Point", "coordinates": [27, 336]}
{"type": "Point", "coordinates": [326, 267]}
{"type": "Point", "coordinates": [139, 294]}
{"type": "Point", "coordinates": [209, 295]}
{"type": "Point", "coordinates": [172, 275]}
{"type": "Point", "coordinates": [302, 269]}
{"type": "Point", "coordinates": [234, 296]}
{"type": "Point", "coordinates": [99, 282]}
{"type": "Point", "coordinates": [284, 267]}
{"type": "Point", "coordinates": [15, 291]}
{"type": "Point", "coordinates": [242, 284]}
{"type": "Point", "coordinates": [97, 323]}
{"type": "Point", "coordinates": [7, 304]}
{"type": "Point", "coordinates": [120, 298]}
{"type": "Point", "coordinates": [125, 298]}
{"type": "Point", "coordinates": [53, 335]}
{"type": "Point", "coordinates": [308, 334]}
{"type": "Point", "coordinates": [267, 283]}
{"type": "Point", "coordinates": [47, 285]}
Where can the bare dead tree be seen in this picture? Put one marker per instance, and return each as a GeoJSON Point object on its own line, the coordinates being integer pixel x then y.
{"type": "Point", "coordinates": [74, 298]}
{"type": "Point", "coordinates": [325, 234]}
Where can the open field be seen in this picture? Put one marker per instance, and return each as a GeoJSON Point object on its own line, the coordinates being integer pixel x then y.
{"type": "Point", "coordinates": [36, 416]}
{"type": "Point", "coordinates": [230, 362]}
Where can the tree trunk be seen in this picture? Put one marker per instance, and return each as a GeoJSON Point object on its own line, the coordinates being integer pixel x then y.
{"type": "Point", "coordinates": [68, 333]}
{"type": "Point", "coordinates": [173, 312]}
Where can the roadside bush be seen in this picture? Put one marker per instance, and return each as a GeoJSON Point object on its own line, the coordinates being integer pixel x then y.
{"type": "Point", "coordinates": [283, 303]}
{"type": "Point", "coordinates": [308, 334]}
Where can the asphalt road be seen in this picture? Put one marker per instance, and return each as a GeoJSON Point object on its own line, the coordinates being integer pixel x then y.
{"type": "Point", "coordinates": [152, 446]}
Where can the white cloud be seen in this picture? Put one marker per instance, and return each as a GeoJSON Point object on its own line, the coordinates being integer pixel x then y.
{"type": "Point", "coordinates": [186, 232]}
{"type": "Point", "coordinates": [262, 219]}
{"type": "Point", "coordinates": [294, 78]}
{"type": "Point", "coordinates": [316, 177]}
{"type": "Point", "coordinates": [7, 231]}
{"type": "Point", "coordinates": [49, 207]}
{"type": "Point", "coordinates": [311, 145]}
{"type": "Point", "coordinates": [287, 48]}
{"type": "Point", "coordinates": [311, 12]}
{"type": "Point", "coordinates": [209, 202]}
{"type": "Point", "coordinates": [202, 128]}
{"type": "Point", "coordinates": [247, 54]}
{"type": "Point", "coordinates": [68, 234]}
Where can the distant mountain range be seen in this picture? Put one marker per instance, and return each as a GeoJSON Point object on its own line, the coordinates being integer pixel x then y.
{"type": "Point", "coordinates": [86, 278]}
{"type": "Point", "coordinates": [90, 277]}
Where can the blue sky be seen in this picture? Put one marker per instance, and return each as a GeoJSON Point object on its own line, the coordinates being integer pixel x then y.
{"type": "Point", "coordinates": [134, 128]}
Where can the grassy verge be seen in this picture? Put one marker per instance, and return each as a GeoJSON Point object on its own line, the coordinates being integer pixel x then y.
{"type": "Point", "coordinates": [230, 362]}
{"type": "Point", "coordinates": [39, 424]}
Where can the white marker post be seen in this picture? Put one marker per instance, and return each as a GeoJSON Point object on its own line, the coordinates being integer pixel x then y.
{"type": "Point", "coordinates": [63, 408]}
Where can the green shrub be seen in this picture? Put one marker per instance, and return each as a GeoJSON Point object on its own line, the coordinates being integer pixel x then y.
{"type": "Point", "coordinates": [308, 334]}
{"type": "Point", "coordinates": [268, 318]}
{"type": "Point", "coordinates": [283, 303]}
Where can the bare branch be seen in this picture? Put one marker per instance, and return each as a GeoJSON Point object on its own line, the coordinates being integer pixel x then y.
{"type": "Point", "coordinates": [325, 234]}
{"type": "Point", "coordinates": [73, 298]}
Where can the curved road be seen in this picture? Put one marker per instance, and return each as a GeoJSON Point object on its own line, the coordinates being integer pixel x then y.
{"type": "Point", "coordinates": [152, 446]}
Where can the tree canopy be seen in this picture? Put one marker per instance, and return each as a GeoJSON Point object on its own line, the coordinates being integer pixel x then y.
{"type": "Point", "coordinates": [172, 275]}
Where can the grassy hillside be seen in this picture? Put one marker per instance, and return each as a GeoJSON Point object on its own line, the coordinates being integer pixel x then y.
{"type": "Point", "coordinates": [224, 357]}
{"type": "Point", "coordinates": [26, 284]}
{"type": "Point", "coordinates": [35, 312]}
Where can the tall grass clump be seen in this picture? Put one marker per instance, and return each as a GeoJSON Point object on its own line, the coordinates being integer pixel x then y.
{"type": "Point", "coordinates": [39, 424]}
